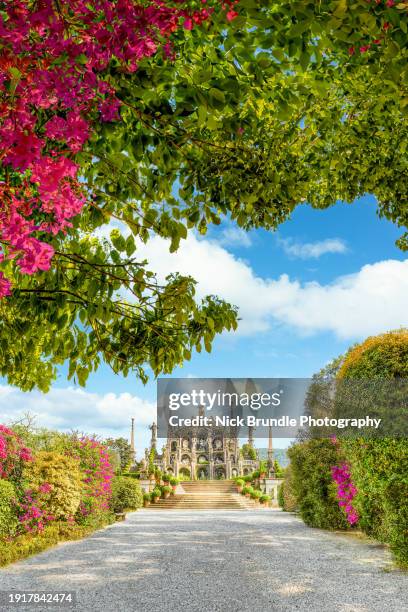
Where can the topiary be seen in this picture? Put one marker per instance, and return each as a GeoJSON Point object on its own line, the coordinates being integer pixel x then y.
{"type": "Point", "coordinates": [126, 494]}
{"type": "Point", "coordinates": [55, 480]}
{"type": "Point", "coordinates": [8, 515]}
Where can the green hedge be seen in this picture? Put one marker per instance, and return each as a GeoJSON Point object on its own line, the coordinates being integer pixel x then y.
{"type": "Point", "coordinates": [286, 497]}
{"type": "Point", "coordinates": [313, 486]}
{"type": "Point", "coordinates": [8, 518]}
{"type": "Point", "coordinates": [379, 470]}
{"type": "Point", "coordinates": [127, 494]}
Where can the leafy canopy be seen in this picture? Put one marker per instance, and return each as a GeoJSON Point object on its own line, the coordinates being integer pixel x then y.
{"type": "Point", "coordinates": [286, 104]}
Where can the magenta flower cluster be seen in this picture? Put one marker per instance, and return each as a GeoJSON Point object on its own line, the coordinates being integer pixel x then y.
{"type": "Point", "coordinates": [52, 91]}
{"type": "Point", "coordinates": [346, 491]}
{"type": "Point", "coordinates": [98, 473]}
{"type": "Point", "coordinates": [13, 453]}
{"type": "Point", "coordinates": [33, 515]}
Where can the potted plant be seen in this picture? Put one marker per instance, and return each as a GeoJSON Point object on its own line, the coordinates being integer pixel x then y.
{"type": "Point", "coordinates": [248, 491]}
{"type": "Point", "coordinates": [158, 476]}
{"type": "Point", "coordinates": [265, 500]}
{"type": "Point", "coordinates": [255, 475]}
{"type": "Point", "coordinates": [166, 478]}
{"type": "Point", "coordinates": [174, 482]}
{"type": "Point", "coordinates": [262, 469]}
{"type": "Point", "coordinates": [155, 495]}
{"type": "Point", "coordinates": [248, 478]}
{"type": "Point", "coordinates": [255, 495]}
{"type": "Point", "coordinates": [166, 490]}
{"type": "Point", "coordinates": [240, 484]}
{"type": "Point", "coordinates": [146, 500]}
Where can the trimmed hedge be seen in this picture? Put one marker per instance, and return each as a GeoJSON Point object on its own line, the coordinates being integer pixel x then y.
{"type": "Point", "coordinates": [379, 467]}
{"type": "Point", "coordinates": [8, 518]}
{"type": "Point", "coordinates": [380, 472]}
{"type": "Point", "coordinates": [313, 486]}
{"type": "Point", "coordinates": [127, 494]}
{"type": "Point", "coordinates": [286, 496]}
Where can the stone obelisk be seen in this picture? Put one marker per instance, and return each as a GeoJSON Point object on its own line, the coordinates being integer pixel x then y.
{"type": "Point", "coordinates": [132, 440]}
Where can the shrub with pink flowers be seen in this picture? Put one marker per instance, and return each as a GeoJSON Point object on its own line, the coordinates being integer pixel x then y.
{"type": "Point", "coordinates": [97, 470]}
{"type": "Point", "coordinates": [13, 454]}
{"type": "Point", "coordinates": [32, 509]}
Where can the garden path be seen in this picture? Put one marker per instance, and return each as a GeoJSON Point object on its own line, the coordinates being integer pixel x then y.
{"type": "Point", "coordinates": [216, 561]}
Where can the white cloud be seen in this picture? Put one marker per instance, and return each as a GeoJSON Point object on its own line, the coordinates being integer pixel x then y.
{"type": "Point", "coordinates": [70, 408]}
{"type": "Point", "coordinates": [312, 250]}
{"type": "Point", "coordinates": [235, 236]}
{"type": "Point", "coordinates": [372, 300]}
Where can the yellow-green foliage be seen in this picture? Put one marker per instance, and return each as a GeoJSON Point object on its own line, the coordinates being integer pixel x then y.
{"type": "Point", "coordinates": [383, 356]}
{"type": "Point", "coordinates": [8, 518]}
{"type": "Point", "coordinates": [62, 473]}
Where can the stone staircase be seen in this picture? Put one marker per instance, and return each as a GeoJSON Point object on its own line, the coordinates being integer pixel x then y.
{"type": "Point", "coordinates": [206, 495]}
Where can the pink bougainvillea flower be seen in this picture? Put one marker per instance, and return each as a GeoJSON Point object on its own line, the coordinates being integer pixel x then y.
{"type": "Point", "coordinates": [45, 66]}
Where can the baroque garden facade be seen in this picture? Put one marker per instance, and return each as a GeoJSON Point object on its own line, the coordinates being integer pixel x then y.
{"type": "Point", "coordinates": [203, 453]}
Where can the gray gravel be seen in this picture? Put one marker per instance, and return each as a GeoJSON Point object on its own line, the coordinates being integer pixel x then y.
{"type": "Point", "coordinates": [215, 561]}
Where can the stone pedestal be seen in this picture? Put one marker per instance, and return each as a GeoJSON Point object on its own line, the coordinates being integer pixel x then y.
{"type": "Point", "coordinates": [271, 488]}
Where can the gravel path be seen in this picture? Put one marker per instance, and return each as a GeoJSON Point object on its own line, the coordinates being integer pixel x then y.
{"type": "Point", "coordinates": [215, 561]}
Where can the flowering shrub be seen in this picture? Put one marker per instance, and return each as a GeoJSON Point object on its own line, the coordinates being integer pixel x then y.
{"type": "Point", "coordinates": [346, 491]}
{"type": "Point", "coordinates": [53, 87]}
{"type": "Point", "coordinates": [13, 454]}
{"type": "Point", "coordinates": [54, 481]}
{"type": "Point", "coordinates": [32, 510]}
{"type": "Point", "coordinates": [97, 473]}
{"type": "Point", "coordinates": [312, 485]}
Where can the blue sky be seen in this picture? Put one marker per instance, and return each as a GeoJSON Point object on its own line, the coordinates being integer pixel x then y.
{"type": "Point", "coordinates": [325, 280]}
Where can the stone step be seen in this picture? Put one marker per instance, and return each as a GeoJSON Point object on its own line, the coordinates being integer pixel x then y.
{"type": "Point", "coordinates": [206, 495]}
